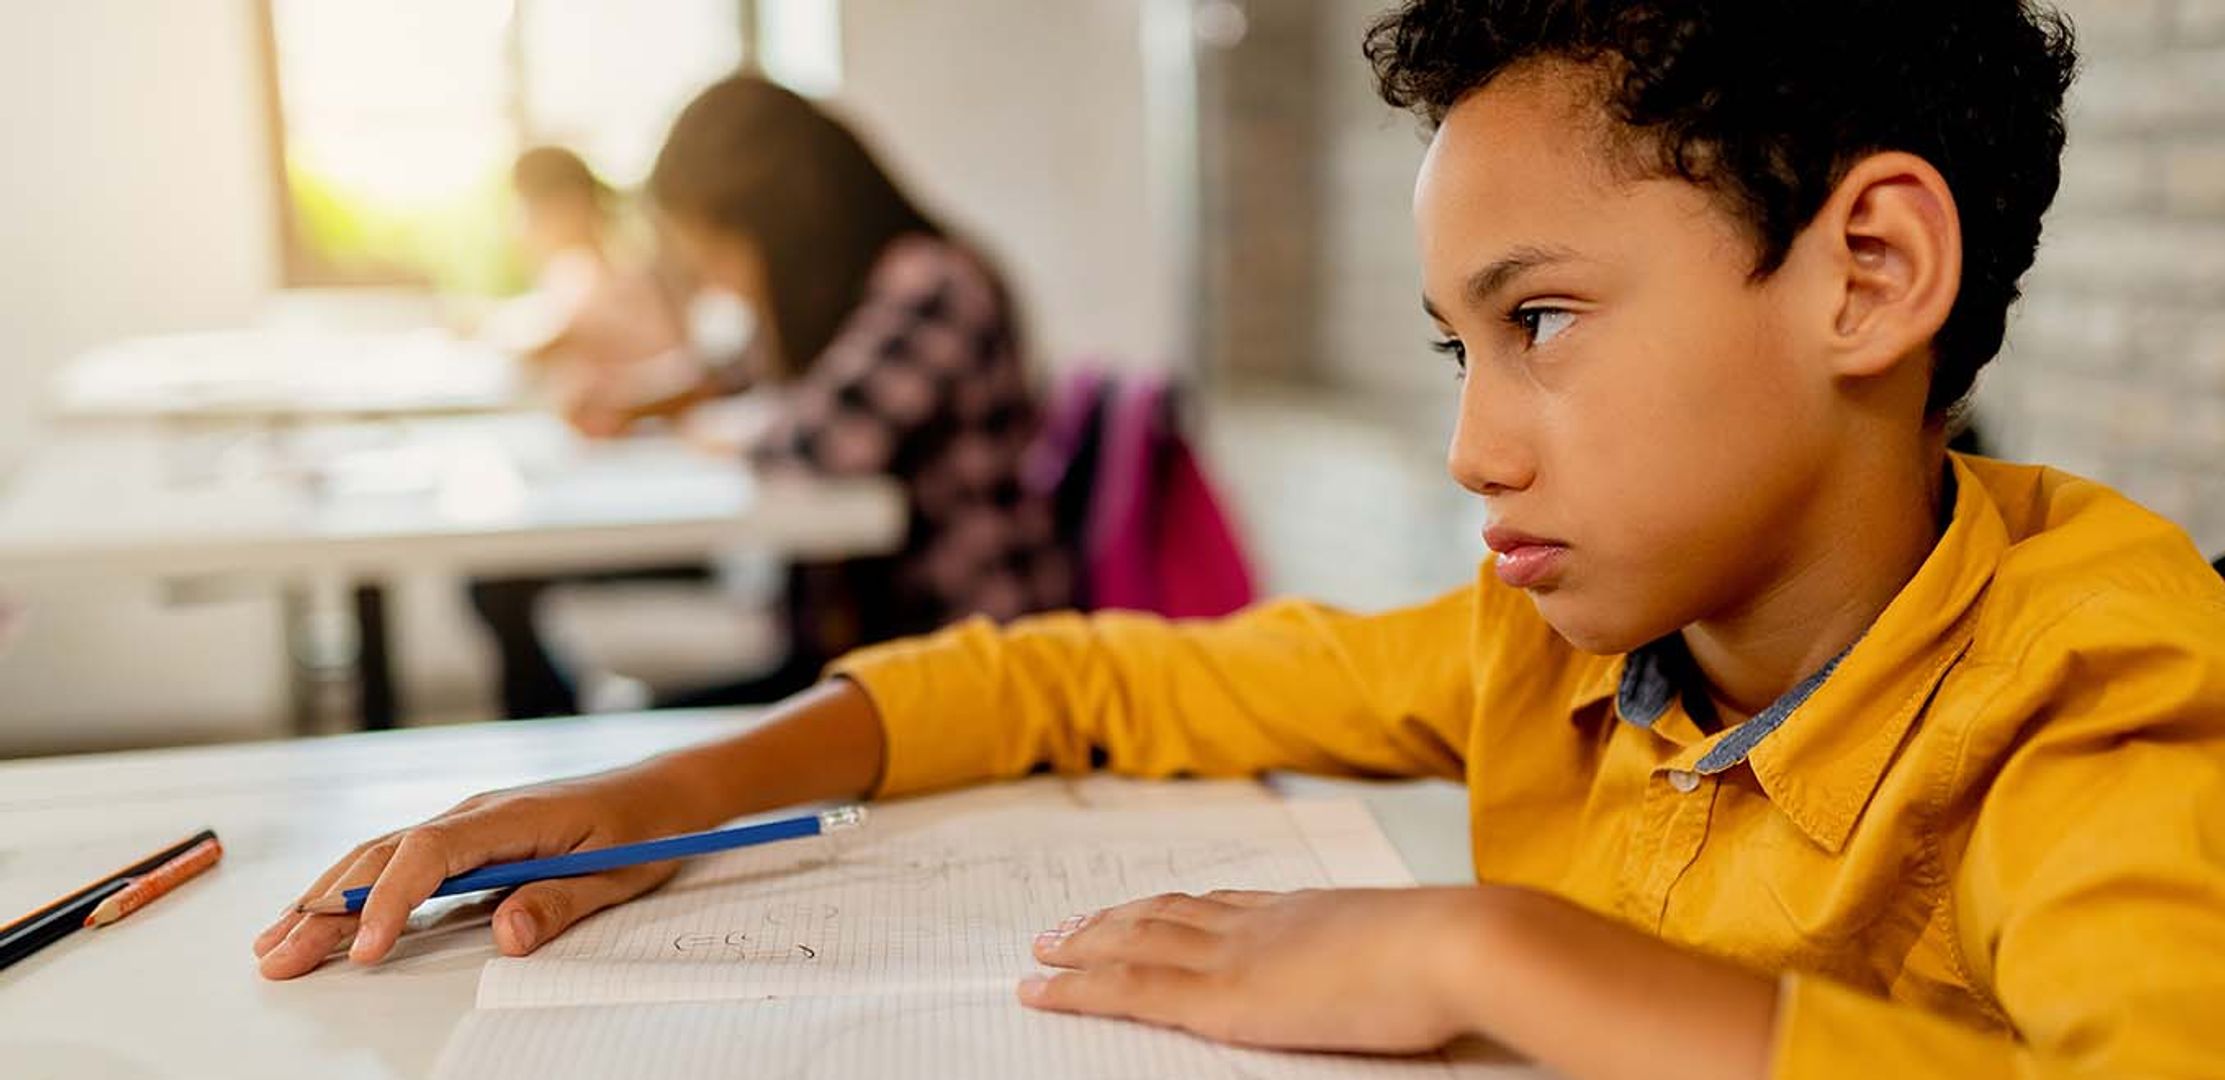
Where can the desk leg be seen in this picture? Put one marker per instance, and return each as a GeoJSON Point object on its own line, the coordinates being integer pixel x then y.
{"type": "Point", "coordinates": [377, 704]}
{"type": "Point", "coordinates": [296, 630]}
{"type": "Point", "coordinates": [338, 657]}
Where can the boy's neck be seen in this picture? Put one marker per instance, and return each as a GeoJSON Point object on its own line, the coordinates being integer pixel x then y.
{"type": "Point", "coordinates": [1848, 561]}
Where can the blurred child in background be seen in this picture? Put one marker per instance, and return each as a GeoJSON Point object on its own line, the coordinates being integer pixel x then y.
{"type": "Point", "coordinates": [886, 347]}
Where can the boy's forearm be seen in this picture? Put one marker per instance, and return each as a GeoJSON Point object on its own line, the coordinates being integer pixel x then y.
{"type": "Point", "coordinates": [824, 743]}
{"type": "Point", "coordinates": [1597, 1000]}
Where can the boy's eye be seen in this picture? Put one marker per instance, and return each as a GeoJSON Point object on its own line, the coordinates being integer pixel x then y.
{"type": "Point", "coordinates": [1453, 347]}
{"type": "Point", "coordinates": [1542, 324]}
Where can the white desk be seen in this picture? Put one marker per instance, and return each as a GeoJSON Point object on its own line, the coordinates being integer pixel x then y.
{"type": "Point", "coordinates": [173, 992]}
{"type": "Point", "coordinates": [509, 494]}
{"type": "Point", "coordinates": [322, 509]}
{"type": "Point", "coordinates": [272, 376]}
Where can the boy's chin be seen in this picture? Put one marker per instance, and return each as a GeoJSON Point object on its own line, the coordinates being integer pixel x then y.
{"type": "Point", "coordinates": [1589, 627]}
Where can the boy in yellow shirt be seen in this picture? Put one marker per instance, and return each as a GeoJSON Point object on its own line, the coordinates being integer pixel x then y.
{"type": "Point", "coordinates": [1795, 745]}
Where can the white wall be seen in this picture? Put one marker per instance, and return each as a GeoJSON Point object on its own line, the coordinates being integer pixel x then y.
{"type": "Point", "coordinates": [136, 193]}
{"type": "Point", "coordinates": [1024, 124]}
{"type": "Point", "coordinates": [134, 200]}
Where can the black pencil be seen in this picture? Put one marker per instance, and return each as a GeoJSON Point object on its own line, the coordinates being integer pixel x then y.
{"type": "Point", "coordinates": [7, 933]}
{"type": "Point", "coordinates": [56, 924]}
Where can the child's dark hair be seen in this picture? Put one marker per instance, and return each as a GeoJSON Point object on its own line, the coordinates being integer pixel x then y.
{"type": "Point", "coordinates": [752, 157]}
{"type": "Point", "coordinates": [1769, 102]}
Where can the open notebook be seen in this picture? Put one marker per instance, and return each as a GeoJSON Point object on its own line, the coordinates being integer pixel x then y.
{"type": "Point", "coordinates": [892, 951]}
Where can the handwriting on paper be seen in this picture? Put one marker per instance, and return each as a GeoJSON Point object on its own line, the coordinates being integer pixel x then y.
{"type": "Point", "coordinates": [781, 933]}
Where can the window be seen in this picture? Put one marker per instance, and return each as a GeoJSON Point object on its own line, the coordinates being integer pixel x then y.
{"type": "Point", "coordinates": [394, 122]}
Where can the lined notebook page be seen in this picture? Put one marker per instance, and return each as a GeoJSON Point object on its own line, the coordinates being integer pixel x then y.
{"type": "Point", "coordinates": [977, 1035]}
{"type": "Point", "coordinates": [929, 898]}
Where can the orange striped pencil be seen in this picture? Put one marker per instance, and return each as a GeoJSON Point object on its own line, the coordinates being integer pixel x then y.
{"type": "Point", "coordinates": [147, 887]}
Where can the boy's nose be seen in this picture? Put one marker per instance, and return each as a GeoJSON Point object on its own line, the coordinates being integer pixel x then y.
{"type": "Point", "coordinates": [1488, 455]}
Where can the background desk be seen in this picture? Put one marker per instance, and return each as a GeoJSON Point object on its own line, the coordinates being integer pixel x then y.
{"type": "Point", "coordinates": [326, 512]}
{"type": "Point", "coordinates": [278, 377]}
{"type": "Point", "coordinates": [173, 992]}
{"type": "Point", "coordinates": [513, 493]}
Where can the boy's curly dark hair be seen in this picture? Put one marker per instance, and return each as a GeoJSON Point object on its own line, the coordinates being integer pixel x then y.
{"type": "Point", "coordinates": [1769, 103]}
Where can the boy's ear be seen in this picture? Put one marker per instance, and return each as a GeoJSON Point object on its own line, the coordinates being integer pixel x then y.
{"type": "Point", "coordinates": [1894, 242]}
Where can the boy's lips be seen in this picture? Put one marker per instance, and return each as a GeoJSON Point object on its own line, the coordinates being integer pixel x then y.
{"type": "Point", "coordinates": [1525, 561]}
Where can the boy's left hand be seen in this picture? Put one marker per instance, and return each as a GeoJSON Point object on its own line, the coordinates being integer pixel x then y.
{"type": "Point", "coordinates": [1377, 970]}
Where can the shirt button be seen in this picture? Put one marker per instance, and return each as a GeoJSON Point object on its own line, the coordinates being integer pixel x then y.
{"type": "Point", "coordinates": [1685, 782]}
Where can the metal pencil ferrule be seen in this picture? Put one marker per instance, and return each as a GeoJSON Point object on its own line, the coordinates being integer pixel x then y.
{"type": "Point", "coordinates": [841, 818]}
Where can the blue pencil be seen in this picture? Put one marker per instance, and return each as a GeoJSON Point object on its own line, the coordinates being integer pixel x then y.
{"type": "Point", "coordinates": [579, 863]}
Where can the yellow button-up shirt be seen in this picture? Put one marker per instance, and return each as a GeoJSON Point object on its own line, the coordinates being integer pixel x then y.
{"type": "Point", "coordinates": [1989, 840]}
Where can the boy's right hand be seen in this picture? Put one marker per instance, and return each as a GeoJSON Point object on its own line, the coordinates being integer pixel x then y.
{"type": "Point", "coordinates": [404, 867]}
{"type": "Point", "coordinates": [824, 743]}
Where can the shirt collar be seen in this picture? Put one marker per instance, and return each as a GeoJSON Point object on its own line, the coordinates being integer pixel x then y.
{"type": "Point", "coordinates": [1820, 750]}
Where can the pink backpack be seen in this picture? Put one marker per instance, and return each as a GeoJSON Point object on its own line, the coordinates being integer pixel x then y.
{"type": "Point", "coordinates": [1134, 503]}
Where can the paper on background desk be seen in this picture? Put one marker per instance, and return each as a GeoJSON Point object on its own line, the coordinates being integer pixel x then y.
{"type": "Point", "coordinates": [894, 951]}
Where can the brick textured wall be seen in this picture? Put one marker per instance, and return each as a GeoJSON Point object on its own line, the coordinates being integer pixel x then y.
{"type": "Point", "coordinates": [1259, 211]}
{"type": "Point", "coordinates": [2115, 367]}
{"type": "Point", "coordinates": [1370, 315]}
{"type": "Point", "coordinates": [1308, 249]}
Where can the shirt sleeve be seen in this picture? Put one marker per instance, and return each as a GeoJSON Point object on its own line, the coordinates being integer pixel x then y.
{"type": "Point", "coordinates": [2091, 896]}
{"type": "Point", "coordinates": [1286, 685]}
{"type": "Point", "coordinates": [924, 326]}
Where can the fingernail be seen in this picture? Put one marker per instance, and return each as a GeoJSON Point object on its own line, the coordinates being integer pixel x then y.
{"type": "Point", "coordinates": [1061, 932]}
{"type": "Point", "coordinates": [521, 929]}
{"type": "Point", "coordinates": [1032, 986]}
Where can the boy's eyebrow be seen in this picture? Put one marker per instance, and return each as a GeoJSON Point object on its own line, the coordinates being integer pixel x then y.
{"type": "Point", "coordinates": [1501, 273]}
